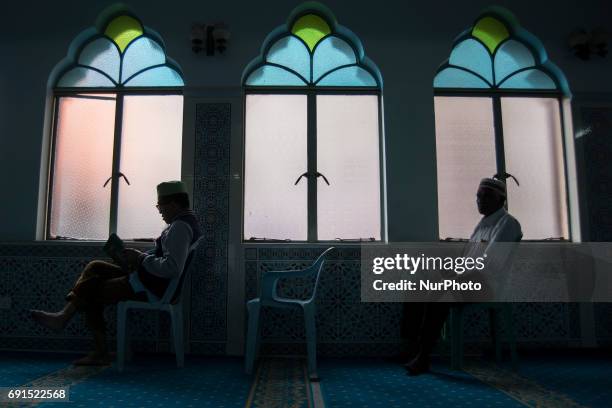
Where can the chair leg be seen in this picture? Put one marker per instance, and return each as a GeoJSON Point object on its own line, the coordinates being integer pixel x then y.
{"type": "Point", "coordinates": [511, 336]}
{"type": "Point", "coordinates": [456, 320]}
{"type": "Point", "coordinates": [176, 313]}
{"type": "Point", "coordinates": [121, 336]}
{"type": "Point", "coordinates": [252, 346]}
{"type": "Point", "coordinates": [495, 330]}
{"type": "Point", "coordinates": [311, 340]}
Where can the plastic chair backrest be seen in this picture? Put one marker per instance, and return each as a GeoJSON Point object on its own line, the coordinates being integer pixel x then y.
{"type": "Point", "coordinates": [176, 286]}
{"type": "Point", "coordinates": [318, 267]}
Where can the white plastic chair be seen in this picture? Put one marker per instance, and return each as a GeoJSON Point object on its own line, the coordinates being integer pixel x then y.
{"type": "Point", "coordinates": [269, 297]}
{"type": "Point", "coordinates": [172, 302]}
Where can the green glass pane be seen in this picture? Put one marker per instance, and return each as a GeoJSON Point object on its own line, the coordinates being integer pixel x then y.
{"type": "Point", "coordinates": [491, 32]}
{"type": "Point", "coordinates": [472, 55]}
{"type": "Point", "coordinates": [457, 78]}
{"type": "Point", "coordinates": [311, 28]}
{"type": "Point", "coordinates": [273, 76]}
{"type": "Point", "coordinates": [511, 57]}
{"type": "Point", "coordinates": [122, 30]}
{"type": "Point", "coordinates": [80, 77]}
{"type": "Point", "coordinates": [529, 79]}
{"type": "Point", "coordinates": [103, 55]}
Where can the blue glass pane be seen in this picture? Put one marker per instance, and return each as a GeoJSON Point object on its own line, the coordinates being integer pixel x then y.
{"type": "Point", "coordinates": [456, 78]}
{"type": "Point", "coordinates": [291, 53]}
{"type": "Point", "coordinates": [103, 55]}
{"type": "Point", "coordinates": [268, 75]}
{"type": "Point", "coordinates": [349, 76]}
{"type": "Point", "coordinates": [474, 56]}
{"type": "Point", "coordinates": [141, 54]}
{"type": "Point", "coordinates": [84, 77]}
{"type": "Point", "coordinates": [510, 57]}
{"type": "Point", "coordinates": [160, 76]}
{"type": "Point", "coordinates": [331, 53]}
{"type": "Point", "coordinates": [529, 79]}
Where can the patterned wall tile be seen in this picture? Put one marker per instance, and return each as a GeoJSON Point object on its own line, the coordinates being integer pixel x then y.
{"type": "Point", "coordinates": [211, 204]}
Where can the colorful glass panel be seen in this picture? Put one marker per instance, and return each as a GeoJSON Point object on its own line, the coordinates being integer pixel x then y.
{"type": "Point", "coordinates": [491, 32]}
{"type": "Point", "coordinates": [332, 52]}
{"type": "Point", "coordinates": [472, 55]}
{"type": "Point", "coordinates": [511, 57]}
{"type": "Point", "coordinates": [457, 78]}
{"type": "Point", "coordinates": [81, 77]}
{"type": "Point", "coordinates": [122, 30]}
{"type": "Point", "coordinates": [291, 53]}
{"type": "Point", "coordinates": [160, 76]}
{"type": "Point", "coordinates": [103, 55]}
{"type": "Point", "coordinates": [529, 79]}
{"type": "Point", "coordinates": [117, 61]}
{"type": "Point", "coordinates": [311, 29]}
{"type": "Point", "coordinates": [503, 54]}
{"type": "Point", "coordinates": [141, 54]}
{"type": "Point", "coordinates": [349, 76]}
{"type": "Point", "coordinates": [269, 75]}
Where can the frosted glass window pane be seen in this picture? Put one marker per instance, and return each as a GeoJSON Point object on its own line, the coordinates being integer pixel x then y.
{"type": "Point", "coordinates": [474, 56]}
{"type": "Point", "coordinates": [80, 206]}
{"type": "Point", "coordinates": [103, 55]}
{"type": "Point", "coordinates": [268, 75]}
{"type": "Point", "coordinates": [275, 156]}
{"type": "Point", "coordinates": [511, 57]}
{"type": "Point", "coordinates": [330, 53]}
{"type": "Point", "coordinates": [291, 53]}
{"type": "Point", "coordinates": [465, 153]}
{"type": "Point", "coordinates": [84, 77]}
{"type": "Point", "coordinates": [151, 142]}
{"type": "Point", "coordinates": [348, 155]}
{"type": "Point", "coordinates": [534, 154]}
{"type": "Point", "coordinates": [529, 79]}
{"type": "Point", "coordinates": [349, 76]}
{"type": "Point", "coordinates": [161, 76]}
{"type": "Point", "coordinates": [456, 78]}
{"type": "Point", "coordinates": [141, 54]}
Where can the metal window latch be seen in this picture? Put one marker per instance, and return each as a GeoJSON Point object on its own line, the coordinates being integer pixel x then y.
{"type": "Point", "coordinates": [307, 175]}
{"type": "Point", "coordinates": [119, 174]}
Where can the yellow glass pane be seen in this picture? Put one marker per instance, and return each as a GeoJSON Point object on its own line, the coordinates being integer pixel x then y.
{"type": "Point", "coordinates": [310, 28]}
{"type": "Point", "coordinates": [491, 32]}
{"type": "Point", "coordinates": [123, 30]}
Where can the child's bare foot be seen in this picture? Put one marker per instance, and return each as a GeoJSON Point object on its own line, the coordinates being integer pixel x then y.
{"type": "Point", "coordinates": [53, 321]}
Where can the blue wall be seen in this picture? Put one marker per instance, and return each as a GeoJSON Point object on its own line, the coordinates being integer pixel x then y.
{"type": "Point", "coordinates": [406, 40]}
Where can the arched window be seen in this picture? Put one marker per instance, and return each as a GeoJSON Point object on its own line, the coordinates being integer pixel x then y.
{"type": "Point", "coordinates": [498, 110]}
{"type": "Point", "coordinates": [314, 151]}
{"type": "Point", "coordinates": [117, 131]}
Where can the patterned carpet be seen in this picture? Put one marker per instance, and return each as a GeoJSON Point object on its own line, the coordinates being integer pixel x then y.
{"type": "Point", "coordinates": [153, 381]}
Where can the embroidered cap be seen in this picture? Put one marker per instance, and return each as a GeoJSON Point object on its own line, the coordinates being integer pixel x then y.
{"type": "Point", "coordinates": [497, 183]}
{"type": "Point", "coordinates": [170, 187]}
{"type": "Point", "coordinates": [494, 184]}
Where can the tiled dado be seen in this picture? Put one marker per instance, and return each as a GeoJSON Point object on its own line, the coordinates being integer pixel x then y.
{"type": "Point", "coordinates": [38, 276]}
{"type": "Point", "coordinates": [346, 326]}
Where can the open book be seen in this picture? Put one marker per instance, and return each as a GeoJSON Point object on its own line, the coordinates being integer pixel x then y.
{"type": "Point", "coordinates": [114, 248]}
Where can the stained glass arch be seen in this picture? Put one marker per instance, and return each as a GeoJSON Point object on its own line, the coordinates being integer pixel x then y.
{"type": "Point", "coordinates": [312, 50]}
{"type": "Point", "coordinates": [118, 52]}
{"type": "Point", "coordinates": [496, 53]}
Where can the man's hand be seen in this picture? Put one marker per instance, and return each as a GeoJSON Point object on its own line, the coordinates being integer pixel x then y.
{"type": "Point", "coordinates": [132, 256]}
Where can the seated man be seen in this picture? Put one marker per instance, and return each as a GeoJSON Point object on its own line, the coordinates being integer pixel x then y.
{"type": "Point", "coordinates": [102, 283]}
{"type": "Point", "coordinates": [496, 225]}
